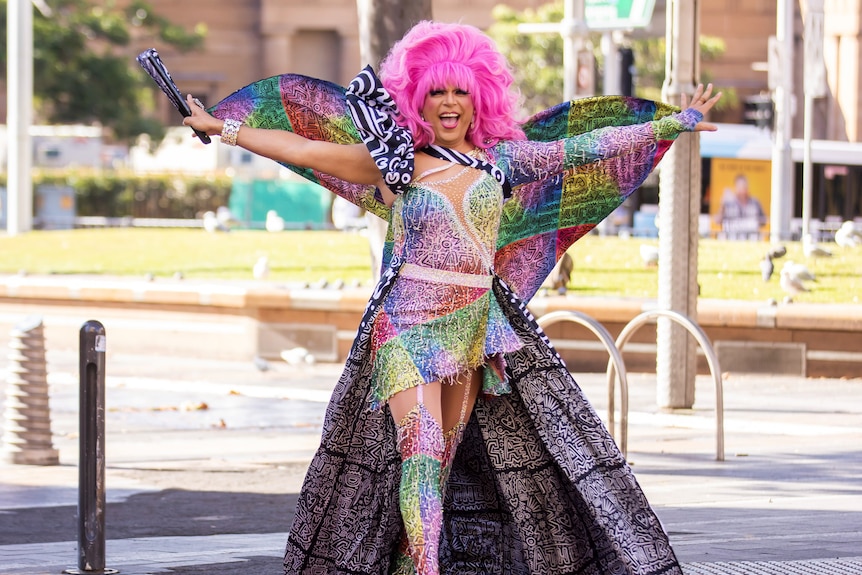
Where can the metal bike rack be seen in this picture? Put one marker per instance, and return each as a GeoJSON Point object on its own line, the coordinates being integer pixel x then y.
{"type": "Point", "coordinates": [615, 359]}
{"type": "Point", "coordinates": [712, 359]}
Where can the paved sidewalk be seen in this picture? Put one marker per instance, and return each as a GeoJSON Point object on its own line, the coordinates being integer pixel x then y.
{"type": "Point", "coordinates": [205, 460]}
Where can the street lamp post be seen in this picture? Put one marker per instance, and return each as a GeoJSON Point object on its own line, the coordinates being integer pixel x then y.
{"type": "Point", "coordinates": [782, 160]}
{"type": "Point", "coordinates": [19, 95]}
{"type": "Point", "coordinates": [815, 87]}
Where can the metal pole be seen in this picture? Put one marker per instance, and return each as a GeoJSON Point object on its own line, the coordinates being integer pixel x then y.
{"type": "Point", "coordinates": [808, 110]}
{"type": "Point", "coordinates": [611, 53]}
{"type": "Point", "coordinates": [615, 365]}
{"type": "Point", "coordinates": [815, 87]}
{"type": "Point", "coordinates": [711, 358]}
{"type": "Point", "coordinates": [679, 208]}
{"type": "Point", "coordinates": [91, 464]}
{"type": "Point", "coordinates": [19, 96]}
{"type": "Point", "coordinates": [781, 201]}
{"type": "Point", "coordinates": [573, 29]}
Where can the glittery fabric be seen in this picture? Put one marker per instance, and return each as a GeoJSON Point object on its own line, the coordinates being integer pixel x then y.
{"type": "Point", "coordinates": [537, 485]}
{"type": "Point", "coordinates": [315, 109]}
{"type": "Point", "coordinates": [435, 323]}
{"type": "Point", "coordinates": [434, 329]}
{"type": "Point", "coordinates": [565, 178]}
{"type": "Point", "coordinates": [421, 445]}
{"type": "Point", "coordinates": [582, 159]}
{"type": "Point", "coordinates": [403, 562]}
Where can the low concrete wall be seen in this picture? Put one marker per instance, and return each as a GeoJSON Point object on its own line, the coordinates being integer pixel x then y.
{"type": "Point", "coordinates": [815, 340]}
{"type": "Point", "coordinates": [239, 320]}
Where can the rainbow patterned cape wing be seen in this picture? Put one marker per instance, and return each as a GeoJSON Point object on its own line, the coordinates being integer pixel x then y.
{"type": "Point", "coordinates": [543, 219]}
{"type": "Point", "coordinates": [313, 108]}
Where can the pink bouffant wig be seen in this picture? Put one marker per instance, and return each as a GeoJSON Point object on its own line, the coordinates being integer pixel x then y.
{"type": "Point", "coordinates": [434, 55]}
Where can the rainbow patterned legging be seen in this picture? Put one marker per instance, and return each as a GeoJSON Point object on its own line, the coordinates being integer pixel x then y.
{"type": "Point", "coordinates": [426, 455]}
{"type": "Point", "coordinates": [420, 442]}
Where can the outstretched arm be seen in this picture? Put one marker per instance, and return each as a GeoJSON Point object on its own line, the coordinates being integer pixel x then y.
{"type": "Point", "coordinates": [528, 161]}
{"type": "Point", "coordinates": [348, 162]}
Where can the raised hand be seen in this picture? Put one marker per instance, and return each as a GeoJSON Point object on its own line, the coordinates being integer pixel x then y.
{"type": "Point", "coordinates": [702, 100]}
{"type": "Point", "coordinates": [201, 119]}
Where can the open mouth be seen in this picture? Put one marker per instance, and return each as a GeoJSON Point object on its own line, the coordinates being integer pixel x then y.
{"type": "Point", "coordinates": [449, 121]}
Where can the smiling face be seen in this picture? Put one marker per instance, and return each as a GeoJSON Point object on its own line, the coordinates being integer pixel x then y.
{"type": "Point", "coordinates": [449, 112]}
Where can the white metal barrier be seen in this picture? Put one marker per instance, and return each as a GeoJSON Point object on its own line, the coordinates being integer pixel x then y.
{"type": "Point", "coordinates": [615, 359]}
{"type": "Point", "coordinates": [616, 365]}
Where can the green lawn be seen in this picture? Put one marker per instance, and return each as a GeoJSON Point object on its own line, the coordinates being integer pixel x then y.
{"type": "Point", "coordinates": [604, 266]}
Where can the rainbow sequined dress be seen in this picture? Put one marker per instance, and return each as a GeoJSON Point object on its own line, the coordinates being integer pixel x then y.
{"type": "Point", "coordinates": [440, 317]}
{"type": "Point", "coordinates": [537, 485]}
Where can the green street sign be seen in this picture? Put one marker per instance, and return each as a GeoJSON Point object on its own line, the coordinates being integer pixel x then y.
{"type": "Point", "coordinates": [618, 14]}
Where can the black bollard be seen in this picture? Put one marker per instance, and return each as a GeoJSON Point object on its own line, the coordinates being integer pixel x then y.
{"type": "Point", "coordinates": [91, 459]}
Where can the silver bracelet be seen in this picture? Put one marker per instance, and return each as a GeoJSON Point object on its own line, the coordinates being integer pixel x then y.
{"type": "Point", "coordinates": [229, 132]}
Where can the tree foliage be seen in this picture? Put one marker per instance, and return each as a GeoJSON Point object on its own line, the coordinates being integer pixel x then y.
{"type": "Point", "coordinates": [83, 70]}
{"type": "Point", "coordinates": [537, 59]}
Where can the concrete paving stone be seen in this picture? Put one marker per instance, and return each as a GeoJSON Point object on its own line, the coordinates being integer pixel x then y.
{"type": "Point", "coordinates": [816, 567]}
{"type": "Point", "coordinates": [188, 495]}
{"type": "Point", "coordinates": [143, 556]}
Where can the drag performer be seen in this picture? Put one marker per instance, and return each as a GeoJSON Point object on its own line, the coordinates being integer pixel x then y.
{"type": "Point", "coordinates": [456, 440]}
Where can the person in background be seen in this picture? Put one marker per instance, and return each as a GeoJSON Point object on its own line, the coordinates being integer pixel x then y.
{"type": "Point", "coordinates": [741, 216]}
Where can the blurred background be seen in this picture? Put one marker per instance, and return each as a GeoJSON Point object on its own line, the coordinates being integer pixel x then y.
{"type": "Point", "coordinates": [106, 143]}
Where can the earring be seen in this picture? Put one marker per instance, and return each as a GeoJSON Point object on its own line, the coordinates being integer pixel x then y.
{"type": "Point", "coordinates": [473, 122]}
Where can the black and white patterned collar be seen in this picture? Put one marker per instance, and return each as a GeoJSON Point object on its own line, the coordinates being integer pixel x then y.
{"type": "Point", "coordinates": [391, 146]}
{"type": "Point", "coordinates": [472, 161]}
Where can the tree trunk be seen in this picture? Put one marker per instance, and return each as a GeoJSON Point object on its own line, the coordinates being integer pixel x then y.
{"type": "Point", "coordinates": [381, 24]}
{"type": "Point", "coordinates": [384, 22]}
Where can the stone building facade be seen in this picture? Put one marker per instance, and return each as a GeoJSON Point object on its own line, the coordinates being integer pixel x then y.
{"type": "Point", "coordinates": [251, 39]}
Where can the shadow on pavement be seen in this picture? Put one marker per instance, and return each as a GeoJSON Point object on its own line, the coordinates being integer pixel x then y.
{"type": "Point", "coordinates": [171, 512]}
